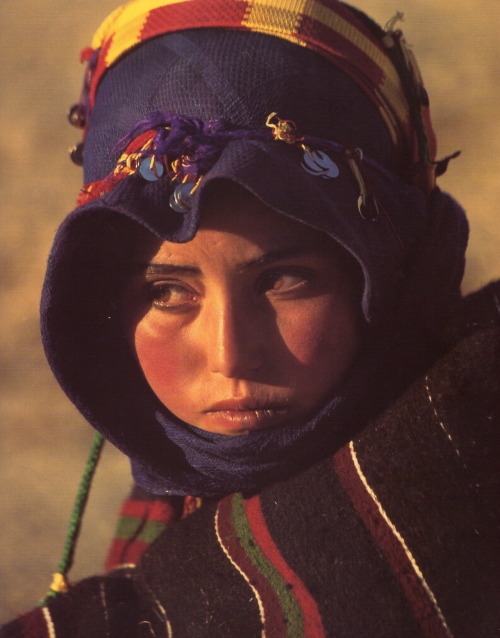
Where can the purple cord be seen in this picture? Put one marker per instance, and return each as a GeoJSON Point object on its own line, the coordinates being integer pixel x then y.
{"type": "Point", "coordinates": [201, 143]}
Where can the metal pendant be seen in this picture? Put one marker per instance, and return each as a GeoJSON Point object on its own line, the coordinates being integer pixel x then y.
{"type": "Point", "coordinates": [368, 207]}
{"type": "Point", "coordinates": [319, 164]}
{"type": "Point", "coordinates": [150, 169]}
{"type": "Point", "coordinates": [181, 199]}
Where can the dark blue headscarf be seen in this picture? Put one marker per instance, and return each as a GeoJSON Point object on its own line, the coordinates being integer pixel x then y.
{"type": "Point", "coordinates": [411, 255]}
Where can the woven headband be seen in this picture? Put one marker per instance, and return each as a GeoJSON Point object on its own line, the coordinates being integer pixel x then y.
{"type": "Point", "coordinates": [380, 63]}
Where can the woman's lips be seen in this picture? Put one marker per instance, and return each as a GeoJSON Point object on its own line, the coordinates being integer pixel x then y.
{"type": "Point", "coordinates": [244, 415]}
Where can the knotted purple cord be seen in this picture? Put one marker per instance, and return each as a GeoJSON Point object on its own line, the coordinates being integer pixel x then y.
{"type": "Point", "coordinates": [199, 143]}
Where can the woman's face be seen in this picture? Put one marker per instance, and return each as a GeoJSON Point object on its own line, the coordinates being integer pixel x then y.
{"type": "Point", "coordinates": [249, 325]}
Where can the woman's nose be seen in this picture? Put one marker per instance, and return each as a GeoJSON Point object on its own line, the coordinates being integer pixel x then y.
{"type": "Point", "coordinates": [234, 340]}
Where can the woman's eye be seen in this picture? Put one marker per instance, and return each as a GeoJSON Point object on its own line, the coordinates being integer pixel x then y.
{"type": "Point", "coordinates": [167, 295]}
{"type": "Point", "coordinates": [281, 283]}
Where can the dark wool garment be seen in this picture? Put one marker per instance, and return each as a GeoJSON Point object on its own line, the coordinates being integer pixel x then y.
{"type": "Point", "coordinates": [395, 535]}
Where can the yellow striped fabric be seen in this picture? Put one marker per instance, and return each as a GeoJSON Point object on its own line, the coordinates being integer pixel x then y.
{"type": "Point", "coordinates": [325, 26]}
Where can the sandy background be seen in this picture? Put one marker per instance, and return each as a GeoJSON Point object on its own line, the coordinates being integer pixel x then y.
{"type": "Point", "coordinates": [43, 440]}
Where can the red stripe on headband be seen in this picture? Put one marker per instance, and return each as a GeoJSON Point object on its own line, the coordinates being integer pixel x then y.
{"type": "Point", "coordinates": [100, 69]}
{"type": "Point", "coordinates": [361, 67]}
{"type": "Point", "coordinates": [192, 15]}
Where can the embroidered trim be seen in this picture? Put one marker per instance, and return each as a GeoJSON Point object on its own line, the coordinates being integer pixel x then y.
{"type": "Point", "coordinates": [49, 622]}
{"type": "Point", "coordinates": [239, 570]}
{"type": "Point", "coordinates": [440, 422]}
{"type": "Point", "coordinates": [102, 596]}
{"type": "Point", "coordinates": [400, 539]}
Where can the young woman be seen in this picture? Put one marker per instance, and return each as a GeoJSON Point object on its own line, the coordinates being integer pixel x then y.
{"type": "Point", "coordinates": [257, 300]}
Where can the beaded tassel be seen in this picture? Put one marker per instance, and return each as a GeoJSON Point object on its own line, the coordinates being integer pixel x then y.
{"type": "Point", "coordinates": [59, 582]}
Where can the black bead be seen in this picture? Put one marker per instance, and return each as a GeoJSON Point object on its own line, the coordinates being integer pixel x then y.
{"type": "Point", "coordinates": [76, 116]}
{"type": "Point", "coordinates": [76, 154]}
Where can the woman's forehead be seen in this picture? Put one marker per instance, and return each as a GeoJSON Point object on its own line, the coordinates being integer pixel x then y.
{"type": "Point", "coordinates": [233, 218]}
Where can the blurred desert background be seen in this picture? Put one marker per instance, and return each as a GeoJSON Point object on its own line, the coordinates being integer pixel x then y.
{"type": "Point", "coordinates": [44, 441]}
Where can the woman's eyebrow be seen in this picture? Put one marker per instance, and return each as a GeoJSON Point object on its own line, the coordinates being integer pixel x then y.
{"type": "Point", "coordinates": [282, 253]}
{"type": "Point", "coordinates": [169, 269]}
{"type": "Point", "coordinates": [267, 258]}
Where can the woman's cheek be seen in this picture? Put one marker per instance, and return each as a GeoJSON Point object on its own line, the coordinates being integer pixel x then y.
{"type": "Point", "coordinates": [323, 337]}
{"type": "Point", "coordinates": [307, 330]}
{"type": "Point", "coordinates": [163, 361]}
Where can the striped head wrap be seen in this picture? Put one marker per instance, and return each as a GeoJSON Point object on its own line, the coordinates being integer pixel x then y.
{"type": "Point", "coordinates": [379, 61]}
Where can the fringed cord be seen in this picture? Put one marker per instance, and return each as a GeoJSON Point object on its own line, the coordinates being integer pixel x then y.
{"type": "Point", "coordinates": [59, 581]}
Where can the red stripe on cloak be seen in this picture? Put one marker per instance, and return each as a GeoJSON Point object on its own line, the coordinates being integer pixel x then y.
{"type": "Point", "coordinates": [367, 509]}
{"type": "Point", "coordinates": [273, 619]}
{"type": "Point", "coordinates": [313, 626]}
{"type": "Point", "coordinates": [125, 552]}
{"type": "Point", "coordinates": [150, 511]}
